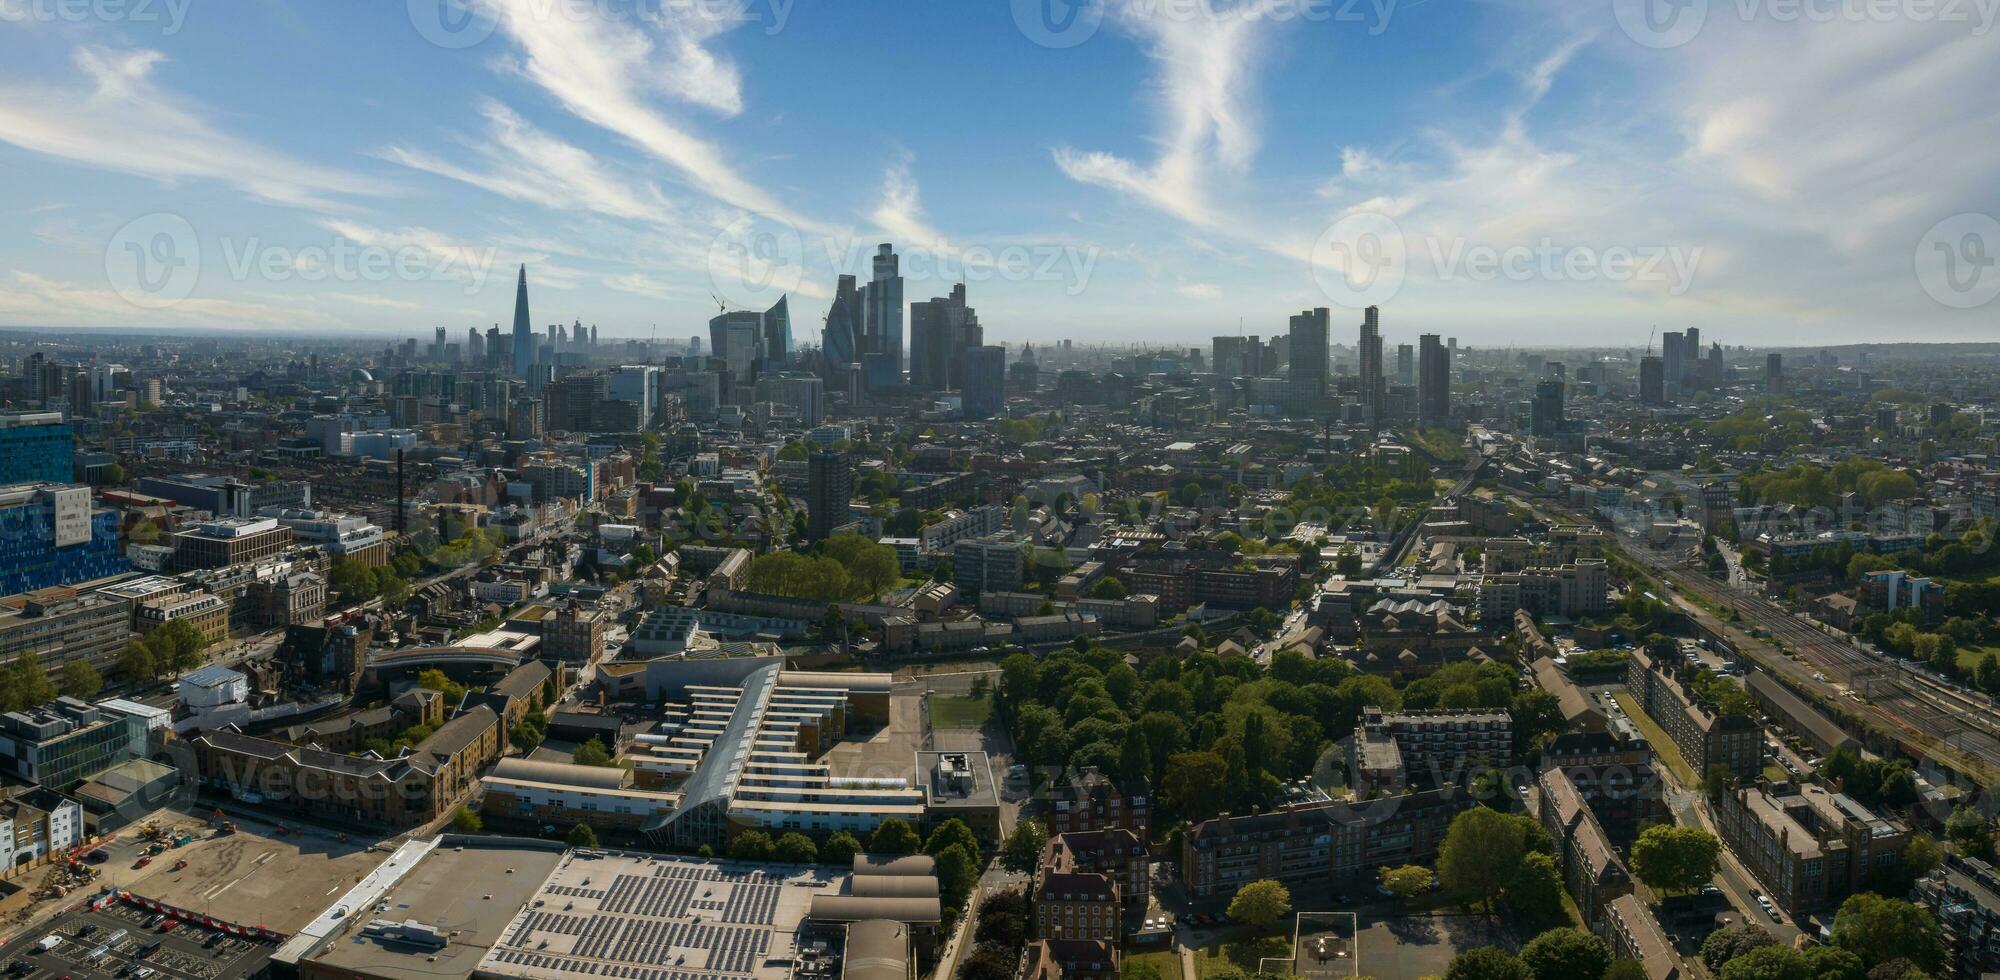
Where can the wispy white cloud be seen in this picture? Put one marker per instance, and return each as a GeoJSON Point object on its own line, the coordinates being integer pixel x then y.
{"type": "Point", "coordinates": [34, 300]}
{"type": "Point", "coordinates": [122, 119]}
{"type": "Point", "coordinates": [606, 71]}
{"type": "Point", "coordinates": [1206, 84]}
{"type": "Point", "coordinates": [520, 161]}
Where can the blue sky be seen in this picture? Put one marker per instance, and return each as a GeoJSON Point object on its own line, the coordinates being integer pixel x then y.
{"type": "Point", "coordinates": [1503, 172]}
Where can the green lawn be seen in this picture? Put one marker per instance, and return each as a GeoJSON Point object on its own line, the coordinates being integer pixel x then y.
{"type": "Point", "coordinates": [1240, 951]}
{"type": "Point", "coordinates": [1663, 746]}
{"type": "Point", "coordinates": [1970, 656]}
{"type": "Point", "coordinates": [959, 711]}
{"type": "Point", "coordinates": [1169, 964]}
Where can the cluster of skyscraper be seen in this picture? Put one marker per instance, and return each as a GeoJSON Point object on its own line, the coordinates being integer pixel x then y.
{"type": "Point", "coordinates": [861, 347]}
{"type": "Point", "coordinates": [1679, 367]}
{"type": "Point", "coordinates": [1423, 390]}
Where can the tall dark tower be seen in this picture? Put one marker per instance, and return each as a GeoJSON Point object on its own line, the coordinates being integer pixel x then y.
{"type": "Point", "coordinates": [524, 331]}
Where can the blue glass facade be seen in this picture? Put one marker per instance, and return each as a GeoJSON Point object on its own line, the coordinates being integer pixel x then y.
{"type": "Point", "coordinates": [35, 453]}
{"type": "Point", "coordinates": [29, 558]}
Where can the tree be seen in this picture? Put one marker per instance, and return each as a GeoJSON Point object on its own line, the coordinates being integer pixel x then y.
{"type": "Point", "coordinates": [136, 663]}
{"type": "Point", "coordinates": [1193, 780]}
{"type": "Point", "coordinates": [1261, 904]}
{"type": "Point", "coordinates": [465, 821]}
{"type": "Point", "coordinates": [1626, 970]}
{"type": "Point", "coordinates": [796, 848]}
{"type": "Point", "coordinates": [893, 837]}
{"type": "Point", "coordinates": [958, 875]}
{"type": "Point", "coordinates": [581, 836]}
{"type": "Point", "coordinates": [1135, 759]}
{"type": "Point", "coordinates": [1348, 563]}
{"type": "Point", "coordinates": [81, 680]}
{"type": "Point", "coordinates": [28, 683]}
{"type": "Point", "coordinates": [951, 833]}
{"type": "Point", "coordinates": [1724, 945]}
{"type": "Point", "coordinates": [592, 753]}
{"type": "Point", "coordinates": [752, 845]}
{"type": "Point", "coordinates": [1767, 963]}
{"type": "Point", "coordinates": [1408, 881]}
{"type": "Point", "coordinates": [1481, 851]}
{"type": "Point", "coordinates": [1969, 829]}
{"type": "Point", "coordinates": [1675, 859]}
{"type": "Point", "coordinates": [525, 737]}
{"type": "Point", "coordinates": [1108, 587]}
{"type": "Point", "coordinates": [1567, 954]}
{"type": "Point", "coordinates": [1487, 963]}
{"type": "Point", "coordinates": [1876, 928]}
{"type": "Point", "coordinates": [839, 849]}
{"type": "Point", "coordinates": [1534, 892]}
{"type": "Point", "coordinates": [1023, 849]}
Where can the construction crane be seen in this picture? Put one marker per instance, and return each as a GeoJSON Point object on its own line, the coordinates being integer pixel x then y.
{"type": "Point", "coordinates": [1654, 329]}
{"type": "Point", "coordinates": [720, 306]}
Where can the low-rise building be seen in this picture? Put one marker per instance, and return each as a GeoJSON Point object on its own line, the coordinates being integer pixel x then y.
{"type": "Point", "coordinates": [1704, 738]}
{"type": "Point", "coordinates": [1634, 934]}
{"type": "Point", "coordinates": [1592, 870]}
{"type": "Point", "coordinates": [1810, 848]}
{"type": "Point", "coordinates": [1319, 841]}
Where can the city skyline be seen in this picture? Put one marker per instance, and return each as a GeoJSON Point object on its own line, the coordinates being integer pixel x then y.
{"type": "Point", "coordinates": [1547, 178]}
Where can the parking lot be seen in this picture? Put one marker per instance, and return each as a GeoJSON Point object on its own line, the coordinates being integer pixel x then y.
{"type": "Point", "coordinates": [117, 942]}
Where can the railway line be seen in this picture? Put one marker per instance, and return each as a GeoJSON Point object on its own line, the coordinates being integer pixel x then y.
{"type": "Point", "coordinates": [1891, 692]}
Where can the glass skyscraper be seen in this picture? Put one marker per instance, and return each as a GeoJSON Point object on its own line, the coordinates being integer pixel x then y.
{"type": "Point", "coordinates": [35, 447]}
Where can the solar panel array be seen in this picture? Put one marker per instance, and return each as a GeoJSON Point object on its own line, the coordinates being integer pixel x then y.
{"type": "Point", "coordinates": [633, 934]}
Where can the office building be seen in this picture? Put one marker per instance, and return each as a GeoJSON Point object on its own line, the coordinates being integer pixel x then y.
{"type": "Point", "coordinates": [985, 383]}
{"type": "Point", "coordinates": [1308, 355]}
{"type": "Point", "coordinates": [1545, 417]}
{"type": "Point", "coordinates": [736, 337]}
{"type": "Point", "coordinates": [941, 331]}
{"type": "Point", "coordinates": [804, 393]}
{"type": "Point", "coordinates": [59, 626]}
{"type": "Point", "coordinates": [1433, 380]}
{"type": "Point", "coordinates": [1674, 357]}
{"type": "Point", "coordinates": [1406, 365]}
{"type": "Point", "coordinates": [1374, 388]}
{"type": "Point", "coordinates": [1652, 381]}
{"type": "Point", "coordinates": [230, 541]}
{"type": "Point", "coordinates": [829, 487]}
{"type": "Point", "coordinates": [524, 328]}
{"type": "Point", "coordinates": [777, 334]}
{"type": "Point", "coordinates": [50, 536]}
{"type": "Point", "coordinates": [882, 312]}
{"type": "Point", "coordinates": [840, 340]}
{"type": "Point", "coordinates": [35, 447]}
{"type": "Point", "coordinates": [226, 496]}
{"type": "Point", "coordinates": [66, 741]}
{"type": "Point", "coordinates": [638, 384]}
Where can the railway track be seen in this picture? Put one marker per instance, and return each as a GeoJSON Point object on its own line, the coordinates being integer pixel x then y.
{"type": "Point", "coordinates": [1890, 691]}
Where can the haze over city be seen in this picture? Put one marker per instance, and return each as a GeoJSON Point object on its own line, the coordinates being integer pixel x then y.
{"type": "Point", "coordinates": [1116, 172]}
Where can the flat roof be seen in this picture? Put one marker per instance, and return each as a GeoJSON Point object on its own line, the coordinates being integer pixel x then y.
{"type": "Point", "coordinates": [658, 917]}
{"type": "Point", "coordinates": [468, 893]}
